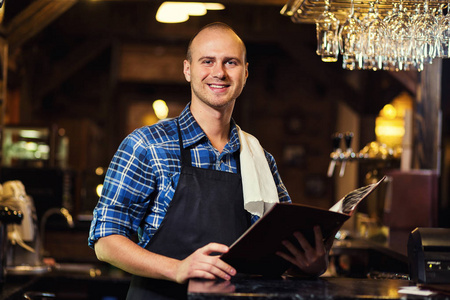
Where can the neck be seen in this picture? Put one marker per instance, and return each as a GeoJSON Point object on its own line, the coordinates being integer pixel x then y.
{"type": "Point", "coordinates": [214, 122]}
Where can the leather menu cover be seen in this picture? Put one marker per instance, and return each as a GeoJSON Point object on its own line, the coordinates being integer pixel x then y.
{"type": "Point", "coordinates": [254, 252]}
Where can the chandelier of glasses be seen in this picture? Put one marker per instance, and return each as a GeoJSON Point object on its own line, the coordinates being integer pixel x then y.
{"type": "Point", "coordinates": [399, 39]}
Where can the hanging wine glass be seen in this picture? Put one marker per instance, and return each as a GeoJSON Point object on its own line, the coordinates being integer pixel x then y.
{"type": "Point", "coordinates": [414, 51]}
{"type": "Point", "coordinates": [425, 30]}
{"type": "Point", "coordinates": [327, 26]}
{"type": "Point", "coordinates": [363, 60]}
{"type": "Point", "coordinates": [390, 60]}
{"type": "Point", "coordinates": [399, 29]}
{"type": "Point", "coordinates": [374, 45]}
{"type": "Point", "coordinates": [444, 34]}
{"type": "Point", "coordinates": [349, 38]}
{"type": "Point", "coordinates": [391, 13]}
{"type": "Point", "coordinates": [439, 15]}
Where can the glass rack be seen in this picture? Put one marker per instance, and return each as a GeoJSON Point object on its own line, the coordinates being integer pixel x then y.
{"type": "Point", "coordinates": [307, 11]}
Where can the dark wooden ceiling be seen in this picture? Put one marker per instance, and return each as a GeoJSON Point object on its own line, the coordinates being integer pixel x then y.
{"type": "Point", "coordinates": [26, 18]}
{"type": "Point", "coordinates": [62, 36]}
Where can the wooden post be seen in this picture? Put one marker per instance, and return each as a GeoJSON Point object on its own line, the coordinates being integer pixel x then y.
{"type": "Point", "coordinates": [427, 119]}
{"type": "Point", "coordinates": [3, 89]}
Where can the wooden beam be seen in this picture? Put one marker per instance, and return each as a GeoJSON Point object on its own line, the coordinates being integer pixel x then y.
{"type": "Point", "coordinates": [33, 19]}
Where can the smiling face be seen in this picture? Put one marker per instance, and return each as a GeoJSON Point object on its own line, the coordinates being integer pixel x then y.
{"type": "Point", "coordinates": [217, 69]}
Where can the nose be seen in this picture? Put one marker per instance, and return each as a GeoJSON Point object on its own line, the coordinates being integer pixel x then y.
{"type": "Point", "coordinates": [219, 71]}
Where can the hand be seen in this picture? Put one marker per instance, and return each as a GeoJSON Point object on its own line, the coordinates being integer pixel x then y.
{"type": "Point", "coordinates": [310, 260]}
{"type": "Point", "coordinates": [201, 264]}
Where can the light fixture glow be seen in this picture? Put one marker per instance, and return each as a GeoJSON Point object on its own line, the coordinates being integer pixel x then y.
{"type": "Point", "coordinates": [194, 8]}
{"type": "Point", "coordinates": [98, 189]}
{"type": "Point", "coordinates": [389, 131]}
{"type": "Point", "coordinates": [214, 6]}
{"type": "Point", "coordinates": [178, 12]}
{"type": "Point", "coordinates": [161, 109]}
{"type": "Point", "coordinates": [30, 134]}
{"type": "Point", "coordinates": [389, 111]}
{"type": "Point", "coordinates": [99, 171]}
{"type": "Point", "coordinates": [168, 14]}
{"type": "Point", "coordinates": [31, 146]}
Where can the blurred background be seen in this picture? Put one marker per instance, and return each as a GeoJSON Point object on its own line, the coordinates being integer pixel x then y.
{"type": "Point", "coordinates": [79, 75]}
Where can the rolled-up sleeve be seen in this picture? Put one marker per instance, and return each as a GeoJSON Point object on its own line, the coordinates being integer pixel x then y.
{"type": "Point", "coordinates": [128, 184]}
{"type": "Point", "coordinates": [283, 194]}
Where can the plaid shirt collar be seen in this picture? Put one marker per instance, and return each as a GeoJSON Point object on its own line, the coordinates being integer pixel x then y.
{"type": "Point", "coordinates": [192, 133]}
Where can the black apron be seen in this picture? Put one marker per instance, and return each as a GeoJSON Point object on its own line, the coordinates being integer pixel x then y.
{"type": "Point", "coordinates": [208, 206]}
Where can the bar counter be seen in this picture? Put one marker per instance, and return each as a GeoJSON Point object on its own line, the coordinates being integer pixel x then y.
{"type": "Point", "coordinates": [240, 287]}
{"type": "Point", "coordinates": [372, 272]}
{"type": "Point", "coordinates": [331, 288]}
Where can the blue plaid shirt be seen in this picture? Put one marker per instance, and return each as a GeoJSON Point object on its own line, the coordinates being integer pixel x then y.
{"type": "Point", "coordinates": [143, 175]}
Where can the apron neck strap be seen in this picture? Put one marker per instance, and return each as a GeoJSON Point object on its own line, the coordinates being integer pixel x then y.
{"type": "Point", "coordinates": [237, 158]}
{"type": "Point", "coordinates": [185, 153]}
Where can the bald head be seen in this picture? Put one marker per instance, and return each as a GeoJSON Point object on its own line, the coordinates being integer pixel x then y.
{"type": "Point", "coordinates": [217, 26]}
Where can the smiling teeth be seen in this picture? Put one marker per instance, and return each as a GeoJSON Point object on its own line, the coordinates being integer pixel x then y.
{"type": "Point", "coordinates": [217, 86]}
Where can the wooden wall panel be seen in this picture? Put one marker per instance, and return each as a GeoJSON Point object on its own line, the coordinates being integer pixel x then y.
{"type": "Point", "coordinates": [147, 63]}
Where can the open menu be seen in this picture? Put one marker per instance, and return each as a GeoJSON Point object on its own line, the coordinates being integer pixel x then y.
{"type": "Point", "coordinates": [254, 252]}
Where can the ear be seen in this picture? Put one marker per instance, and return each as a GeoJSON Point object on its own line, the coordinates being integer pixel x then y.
{"type": "Point", "coordinates": [187, 70]}
{"type": "Point", "coordinates": [246, 70]}
{"type": "Point", "coordinates": [246, 73]}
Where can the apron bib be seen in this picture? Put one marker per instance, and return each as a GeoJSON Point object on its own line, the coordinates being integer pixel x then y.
{"type": "Point", "coordinates": [208, 206]}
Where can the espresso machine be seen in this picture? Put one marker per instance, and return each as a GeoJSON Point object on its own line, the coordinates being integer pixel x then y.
{"type": "Point", "coordinates": [24, 247]}
{"type": "Point", "coordinates": [7, 217]}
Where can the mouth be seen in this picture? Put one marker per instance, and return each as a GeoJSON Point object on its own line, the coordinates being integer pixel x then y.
{"type": "Point", "coordinates": [218, 86]}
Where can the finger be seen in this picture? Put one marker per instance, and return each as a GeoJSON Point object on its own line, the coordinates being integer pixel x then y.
{"type": "Point", "coordinates": [206, 269]}
{"type": "Point", "coordinates": [214, 247]}
{"type": "Point", "coordinates": [295, 251]}
{"type": "Point", "coordinates": [201, 264]}
{"type": "Point", "coordinates": [298, 260]}
{"type": "Point", "coordinates": [218, 263]}
{"type": "Point", "coordinates": [218, 268]}
{"type": "Point", "coordinates": [213, 263]}
{"type": "Point", "coordinates": [223, 267]}
{"type": "Point", "coordinates": [306, 246]}
{"type": "Point", "coordinates": [286, 257]}
{"type": "Point", "coordinates": [203, 275]}
{"type": "Point", "coordinates": [297, 254]}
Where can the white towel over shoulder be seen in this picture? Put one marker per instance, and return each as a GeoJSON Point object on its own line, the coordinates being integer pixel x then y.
{"type": "Point", "coordinates": [260, 191]}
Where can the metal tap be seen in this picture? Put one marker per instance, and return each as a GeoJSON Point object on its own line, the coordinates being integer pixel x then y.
{"type": "Point", "coordinates": [52, 211]}
{"type": "Point", "coordinates": [348, 153]}
{"type": "Point", "coordinates": [342, 155]}
{"type": "Point", "coordinates": [336, 153]}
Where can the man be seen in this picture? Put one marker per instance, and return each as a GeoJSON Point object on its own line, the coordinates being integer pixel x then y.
{"type": "Point", "coordinates": [178, 183]}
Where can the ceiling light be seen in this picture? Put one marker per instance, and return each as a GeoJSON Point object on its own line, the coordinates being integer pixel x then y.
{"type": "Point", "coordinates": [178, 12]}
{"type": "Point", "coordinates": [214, 6]}
{"type": "Point", "coordinates": [194, 8]}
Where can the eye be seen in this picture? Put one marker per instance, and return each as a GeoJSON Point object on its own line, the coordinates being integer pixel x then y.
{"type": "Point", "coordinates": [207, 61]}
{"type": "Point", "coordinates": [231, 63]}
